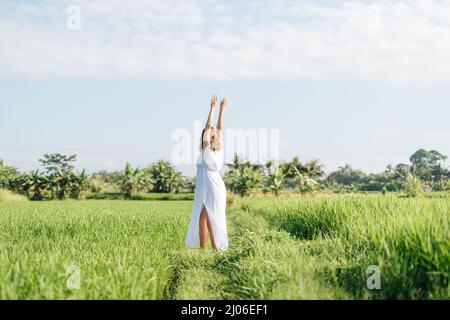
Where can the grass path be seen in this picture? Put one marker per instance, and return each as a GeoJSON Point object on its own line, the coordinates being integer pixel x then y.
{"type": "Point", "coordinates": [262, 263]}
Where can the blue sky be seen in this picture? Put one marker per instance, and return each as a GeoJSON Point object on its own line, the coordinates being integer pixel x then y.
{"type": "Point", "coordinates": [365, 83]}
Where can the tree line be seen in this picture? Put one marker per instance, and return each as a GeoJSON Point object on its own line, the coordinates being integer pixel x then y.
{"type": "Point", "coordinates": [58, 179]}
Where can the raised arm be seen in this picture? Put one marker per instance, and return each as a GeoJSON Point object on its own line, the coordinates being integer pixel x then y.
{"type": "Point", "coordinates": [206, 136]}
{"type": "Point", "coordinates": [211, 112]}
{"type": "Point", "coordinates": [223, 104]}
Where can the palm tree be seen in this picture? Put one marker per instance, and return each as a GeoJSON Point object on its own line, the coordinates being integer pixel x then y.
{"type": "Point", "coordinates": [276, 181]}
{"type": "Point", "coordinates": [7, 174]}
{"type": "Point", "coordinates": [128, 182]}
{"type": "Point", "coordinates": [132, 180]}
{"type": "Point", "coordinates": [290, 168]}
{"type": "Point", "coordinates": [304, 182]}
{"type": "Point", "coordinates": [52, 185]}
{"type": "Point", "coordinates": [244, 180]}
{"type": "Point", "coordinates": [314, 169]}
{"type": "Point", "coordinates": [21, 184]}
{"type": "Point", "coordinates": [165, 178]}
{"type": "Point", "coordinates": [59, 169]}
{"type": "Point", "coordinates": [38, 183]}
{"type": "Point", "coordinates": [62, 181]}
{"type": "Point", "coordinates": [78, 183]}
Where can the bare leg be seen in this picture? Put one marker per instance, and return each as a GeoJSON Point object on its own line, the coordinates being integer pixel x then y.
{"type": "Point", "coordinates": [205, 228]}
{"type": "Point", "coordinates": [211, 233]}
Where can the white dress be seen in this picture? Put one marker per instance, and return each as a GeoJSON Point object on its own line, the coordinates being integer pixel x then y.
{"type": "Point", "coordinates": [210, 192]}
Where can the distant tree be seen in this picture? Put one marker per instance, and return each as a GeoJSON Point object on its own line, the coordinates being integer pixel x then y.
{"type": "Point", "coordinates": [304, 182]}
{"type": "Point", "coordinates": [96, 184]}
{"type": "Point", "coordinates": [441, 185]}
{"type": "Point", "coordinates": [428, 165]}
{"type": "Point", "coordinates": [38, 183]}
{"type": "Point", "coordinates": [413, 186]}
{"type": "Point", "coordinates": [52, 184]}
{"type": "Point", "coordinates": [78, 183]}
{"type": "Point", "coordinates": [7, 173]}
{"type": "Point", "coordinates": [59, 169]}
{"type": "Point", "coordinates": [21, 184]}
{"type": "Point", "coordinates": [247, 181]}
{"type": "Point", "coordinates": [346, 175]}
{"type": "Point", "coordinates": [312, 169]}
{"type": "Point", "coordinates": [189, 184]}
{"type": "Point", "coordinates": [400, 172]}
{"type": "Point", "coordinates": [164, 177]}
{"type": "Point", "coordinates": [54, 163]}
{"type": "Point", "coordinates": [243, 178]}
{"type": "Point", "coordinates": [133, 180]}
{"type": "Point", "coordinates": [290, 168]}
{"type": "Point", "coordinates": [275, 181]}
{"type": "Point", "coordinates": [62, 181]}
{"type": "Point", "coordinates": [107, 180]}
{"type": "Point", "coordinates": [239, 163]}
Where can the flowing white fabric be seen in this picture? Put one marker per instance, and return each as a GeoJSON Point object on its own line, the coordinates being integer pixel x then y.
{"type": "Point", "coordinates": [210, 192]}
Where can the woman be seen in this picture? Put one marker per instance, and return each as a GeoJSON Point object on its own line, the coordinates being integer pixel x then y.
{"type": "Point", "coordinates": [208, 214]}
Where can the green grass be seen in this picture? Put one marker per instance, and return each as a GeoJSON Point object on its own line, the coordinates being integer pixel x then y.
{"type": "Point", "coordinates": [8, 196]}
{"type": "Point", "coordinates": [280, 248]}
{"type": "Point", "coordinates": [407, 238]}
{"type": "Point", "coordinates": [122, 248]}
{"type": "Point", "coordinates": [142, 196]}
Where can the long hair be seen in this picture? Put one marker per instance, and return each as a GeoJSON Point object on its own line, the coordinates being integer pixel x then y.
{"type": "Point", "coordinates": [216, 145]}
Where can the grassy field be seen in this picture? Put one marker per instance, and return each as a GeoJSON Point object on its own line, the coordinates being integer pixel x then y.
{"type": "Point", "coordinates": [143, 196]}
{"type": "Point", "coordinates": [286, 248]}
{"type": "Point", "coordinates": [123, 248]}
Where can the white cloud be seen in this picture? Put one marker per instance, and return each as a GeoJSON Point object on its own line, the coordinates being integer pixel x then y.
{"type": "Point", "coordinates": [401, 42]}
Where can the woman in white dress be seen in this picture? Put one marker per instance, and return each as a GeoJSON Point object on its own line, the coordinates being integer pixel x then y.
{"type": "Point", "coordinates": [208, 213]}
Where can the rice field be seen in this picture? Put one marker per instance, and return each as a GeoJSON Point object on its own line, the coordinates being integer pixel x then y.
{"type": "Point", "coordinates": [280, 248]}
{"type": "Point", "coordinates": [123, 249]}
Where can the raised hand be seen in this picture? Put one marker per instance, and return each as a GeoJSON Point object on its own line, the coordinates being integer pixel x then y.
{"type": "Point", "coordinates": [224, 103]}
{"type": "Point", "coordinates": [213, 101]}
{"type": "Point", "coordinates": [211, 112]}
